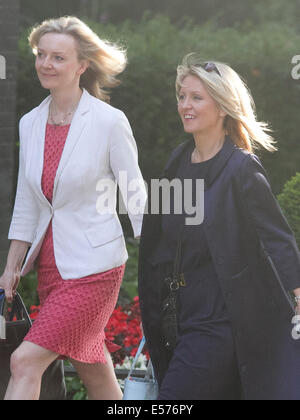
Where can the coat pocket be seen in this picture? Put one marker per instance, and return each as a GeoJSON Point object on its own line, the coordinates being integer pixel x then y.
{"type": "Point", "coordinates": [104, 233]}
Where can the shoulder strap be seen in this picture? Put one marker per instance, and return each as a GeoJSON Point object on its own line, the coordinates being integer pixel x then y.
{"type": "Point", "coordinates": [177, 260]}
{"type": "Point", "coordinates": [178, 254]}
{"type": "Point", "coordinates": [275, 272]}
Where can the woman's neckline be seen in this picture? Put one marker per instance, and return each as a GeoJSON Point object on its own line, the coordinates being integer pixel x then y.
{"type": "Point", "coordinates": [204, 162]}
{"type": "Point", "coordinates": [58, 126]}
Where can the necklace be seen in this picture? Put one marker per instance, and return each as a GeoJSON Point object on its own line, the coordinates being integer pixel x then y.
{"type": "Point", "coordinates": [61, 122]}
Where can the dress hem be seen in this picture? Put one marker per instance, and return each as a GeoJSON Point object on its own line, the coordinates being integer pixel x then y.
{"type": "Point", "coordinates": [61, 356]}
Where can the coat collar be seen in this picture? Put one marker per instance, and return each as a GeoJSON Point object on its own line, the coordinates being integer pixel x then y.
{"type": "Point", "coordinates": [213, 170]}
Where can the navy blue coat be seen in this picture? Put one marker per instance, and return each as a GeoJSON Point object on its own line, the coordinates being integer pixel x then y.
{"type": "Point", "coordinates": [257, 262]}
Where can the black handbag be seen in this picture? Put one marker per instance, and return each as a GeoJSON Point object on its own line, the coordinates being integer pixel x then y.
{"type": "Point", "coordinates": [15, 325]}
{"type": "Point", "coordinates": [170, 306]}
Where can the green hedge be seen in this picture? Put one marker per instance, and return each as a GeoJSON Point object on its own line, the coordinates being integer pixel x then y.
{"type": "Point", "coordinates": [261, 53]}
{"type": "Point", "coordinates": [289, 201]}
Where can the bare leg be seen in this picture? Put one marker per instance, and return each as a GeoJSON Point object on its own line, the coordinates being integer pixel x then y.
{"type": "Point", "coordinates": [28, 363]}
{"type": "Point", "coordinates": [99, 379]}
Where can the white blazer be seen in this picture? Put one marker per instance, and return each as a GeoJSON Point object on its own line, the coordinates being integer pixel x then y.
{"type": "Point", "coordinates": [99, 145]}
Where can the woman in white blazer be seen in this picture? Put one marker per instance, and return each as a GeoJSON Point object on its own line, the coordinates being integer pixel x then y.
{"type": "Point", "coordinates": [73, 149]}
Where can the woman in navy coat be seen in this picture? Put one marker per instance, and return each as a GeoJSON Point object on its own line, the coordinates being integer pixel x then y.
{"type": "Point", "coordinates": [241, 263]}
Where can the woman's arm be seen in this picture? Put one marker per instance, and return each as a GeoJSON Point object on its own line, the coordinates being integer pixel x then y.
{"type": "Point", "coordinates": [26, 211]}
{"type": "Point", "coordinates": [10, 279]}
{"type": "Point", "coordinates": [124, 164]}
{"type": "Point", "coordinates": [269, 222]}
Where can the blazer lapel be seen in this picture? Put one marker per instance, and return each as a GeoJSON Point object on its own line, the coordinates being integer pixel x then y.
{"type": "Point", "coordinates": [35, 157]}
{"type": "Point", "coordinates": [77, 126]}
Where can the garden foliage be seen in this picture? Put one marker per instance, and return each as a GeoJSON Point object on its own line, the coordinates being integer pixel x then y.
{"type": "Point", "coordinates": [289, 201]}
{"type": "Point", "coordinates": [261, 53]}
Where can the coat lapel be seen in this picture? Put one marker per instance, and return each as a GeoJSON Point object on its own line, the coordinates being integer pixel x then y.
{"type": "Point", "coordinates": [172, 163]}
{"type": "Point", "coordinates": [213, 171]}
{"type": "Point", "coordinates": [151, 223]}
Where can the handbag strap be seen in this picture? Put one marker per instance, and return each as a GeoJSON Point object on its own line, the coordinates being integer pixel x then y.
{"type": "Point", "coordinates": [18, 308]}
{"type": "Point", "coordinates": [150, 370]}
{"type": "Point", "coordinates": [177, 260]}
{"type": "Point", "coordinates": [178, 278]}
{"type": "Point", "coordinates": [2, 301]}
{"type": "Point", "coordinates": [139, 351]}
{"type": "Point", "coordinates": [275, 272]}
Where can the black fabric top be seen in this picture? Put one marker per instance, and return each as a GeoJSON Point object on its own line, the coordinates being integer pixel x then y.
{"type": "Point", "coordinates": [195, 251]}
{"type": "Point", "coordinates": [202, 307]}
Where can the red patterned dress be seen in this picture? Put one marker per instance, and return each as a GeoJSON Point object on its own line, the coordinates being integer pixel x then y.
{"type": "Point", "coordinates": [73, 312]}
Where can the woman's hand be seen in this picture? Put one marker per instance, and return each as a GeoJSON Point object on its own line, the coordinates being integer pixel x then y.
{"type": "Point", "coordinates": [9, 281]}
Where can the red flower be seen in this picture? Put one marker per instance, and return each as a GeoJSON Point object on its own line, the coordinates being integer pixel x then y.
{"type": "Point", "coordinates": [124, 329]}
{"type": "Point", "coordinates": [34, 311]}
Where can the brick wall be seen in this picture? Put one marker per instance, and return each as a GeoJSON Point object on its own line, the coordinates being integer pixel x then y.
{"type": "Point", "coordinates": [9, 11]}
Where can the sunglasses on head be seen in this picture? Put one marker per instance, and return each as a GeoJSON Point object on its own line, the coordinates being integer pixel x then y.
{"type": "Point", "coordinates": [209, 67]}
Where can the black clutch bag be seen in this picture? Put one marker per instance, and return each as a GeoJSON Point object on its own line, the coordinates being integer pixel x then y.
{"type": "Point", "coordinates": [14, 325]}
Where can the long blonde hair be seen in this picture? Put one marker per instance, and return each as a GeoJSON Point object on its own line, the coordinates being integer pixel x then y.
{"type": "Point", "coordinates": [233, 96]}
{"type": "Point", "coordinates": [106, 60]}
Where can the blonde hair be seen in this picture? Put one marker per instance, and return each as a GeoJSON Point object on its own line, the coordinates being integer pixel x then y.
{"type": "Point", "coordinates": [232, 95]}
{"type": "Point", "coordinates": [106, 60]}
